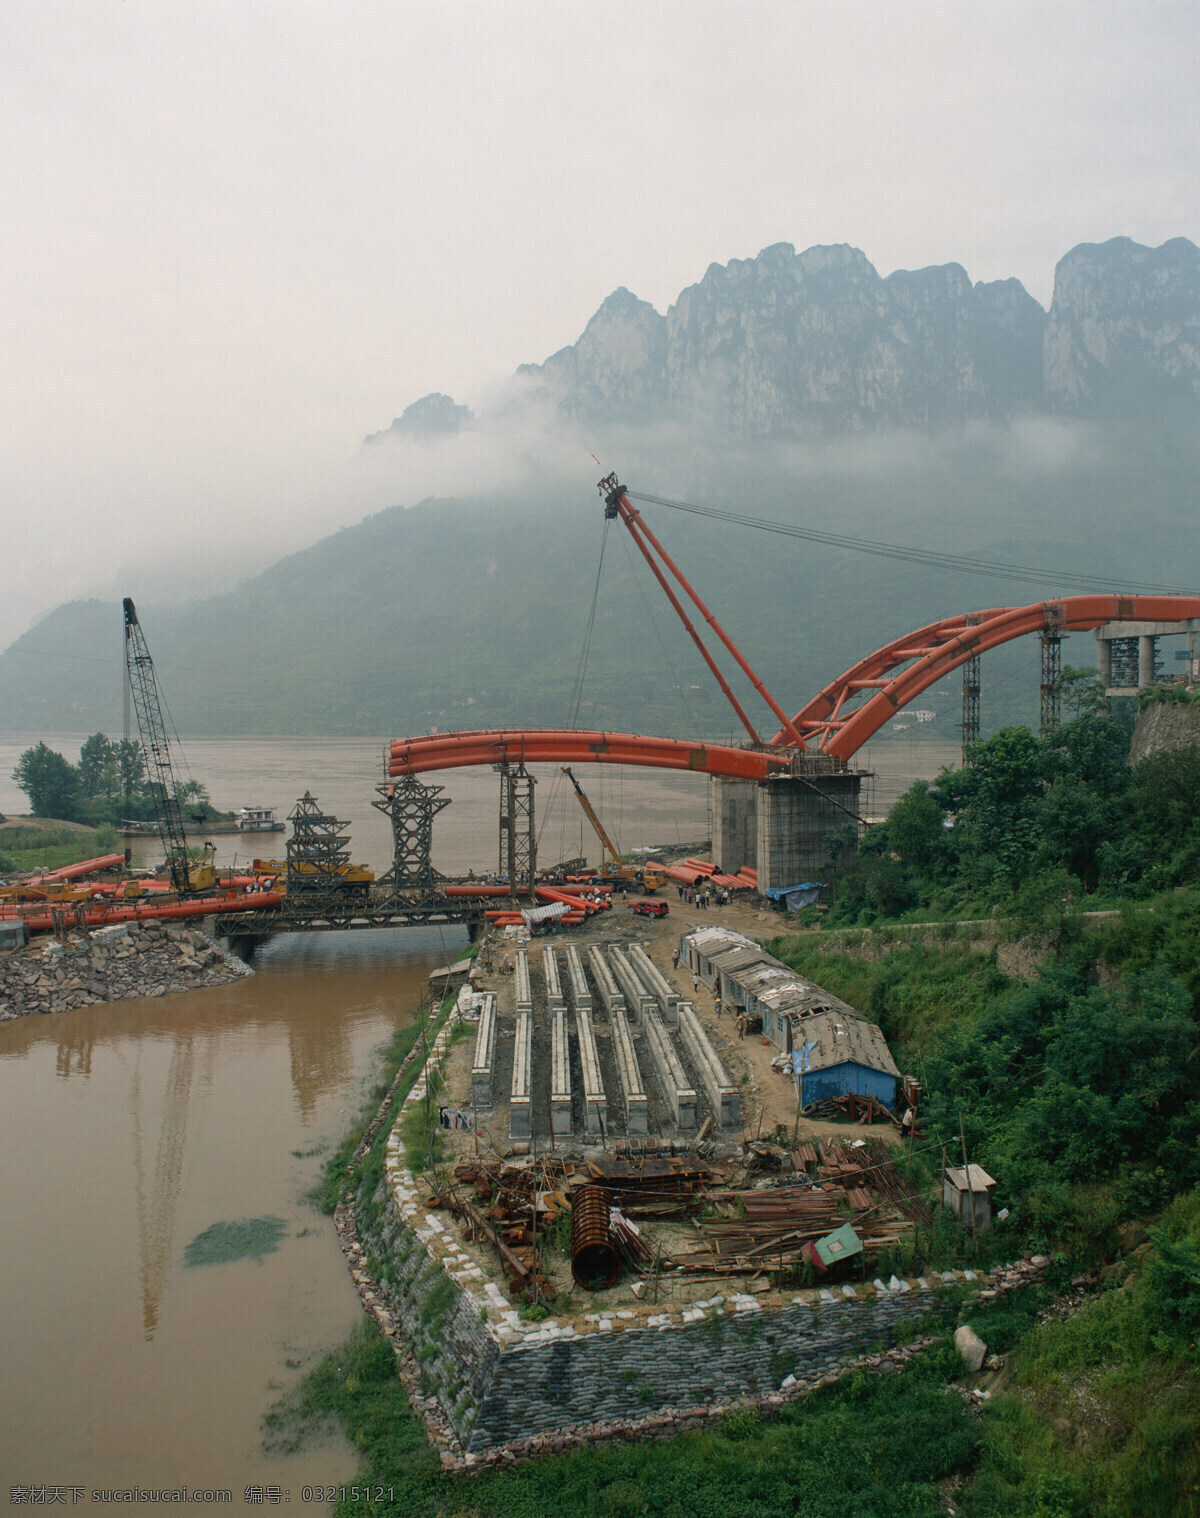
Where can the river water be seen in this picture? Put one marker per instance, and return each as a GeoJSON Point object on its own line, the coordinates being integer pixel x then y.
{"type": "Point", "coordinates": [128, 1129]}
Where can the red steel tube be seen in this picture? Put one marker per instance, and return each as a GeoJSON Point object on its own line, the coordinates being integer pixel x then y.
{"type": "Point", "coordinates": [634, 520]}
{"type": "Point", "coordinates": [204, 906]}
{"type": "Point", "coordinates": [412, 756]}
{"type": "Point", "coordinates": [84, 867]}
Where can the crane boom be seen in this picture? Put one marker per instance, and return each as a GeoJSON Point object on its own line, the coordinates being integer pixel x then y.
{"type": "Point", "coordinates": [163, 788]}
{"type": "Point", "coordinates": [606, 843]}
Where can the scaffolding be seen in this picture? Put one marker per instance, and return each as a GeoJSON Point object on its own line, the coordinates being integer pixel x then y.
{"type": "Point", "coordinates": [411, 807]}
{"type": "Point", "coordinates": [518, 840]}
{"type": "Point", "coordinates": [318, 853]}
{"type": "Point", "coordinates": [970, 707]}
{"type": "Point", "coordinates": [1051, 642]}
{"type": "Point", "coordinates": [1124, 674]}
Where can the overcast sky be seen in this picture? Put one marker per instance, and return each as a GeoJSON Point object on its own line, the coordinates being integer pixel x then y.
{"type": "Point", "coordinates": [238, 235]}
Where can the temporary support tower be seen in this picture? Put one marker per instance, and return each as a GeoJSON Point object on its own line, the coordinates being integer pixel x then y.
{"type": "Point", "coordinates": [518, 840]}
{"type": "Point", "coordinates": [411, 807]}
{"type": "Point", "coordinates": [317, 851]}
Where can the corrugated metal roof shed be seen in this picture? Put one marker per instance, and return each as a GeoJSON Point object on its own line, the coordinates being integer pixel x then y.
{"type": "Point", "coordinates": [842, 1039]}
{"type": "Point", "coordinates": [737, 958]}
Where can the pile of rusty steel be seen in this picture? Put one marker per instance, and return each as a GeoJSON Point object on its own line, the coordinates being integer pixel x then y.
{"type": "Point", "coordinates": [772, 1227]}
{"type": "Point", "coordinates": [669, 1186]}
{"type": "Point", "coordinates": [512, 1207]}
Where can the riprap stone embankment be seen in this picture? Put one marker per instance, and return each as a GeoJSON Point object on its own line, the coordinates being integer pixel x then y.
{"type": "Point", "coordinates": [119, 963]}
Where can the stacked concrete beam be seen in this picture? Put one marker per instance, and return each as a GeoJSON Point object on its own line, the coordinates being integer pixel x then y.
{"type": "Point", "coordinates": [714, 1078]}
{"type": "Point", "coordinates": [595, 1106]}
{"type": "Point", "coordinates": [554, 991]}
{"type": "Point", "coordinates": [632, 1090]}
{"type": "Point", "coordinates": [638, 1000]}
{"type": "Point", "coordinates": [484, 1063]}
{"type": "Point", "coordinates": [663, 992]}
{"type": "Point", "coordinates": [676, 1088]}
{"type": "Point", "coordinates": [606, 987]}
{"type": "Point", "coordinates": [577, 986]}
{"type": "Point", "coordinates": [522, 986]}
{"type": "Point", "coordinates": [520, 1101]}
{"type": "Point", "coordinates": [560, 1076]}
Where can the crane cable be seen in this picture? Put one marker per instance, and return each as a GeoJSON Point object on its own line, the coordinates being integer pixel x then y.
{"type": "Point", "coordinates": [581, 672]}
{"type": "Point", "coordinates": [963, 563]}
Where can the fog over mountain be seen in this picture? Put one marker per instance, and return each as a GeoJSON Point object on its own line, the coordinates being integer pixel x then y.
{"type": "Point", "coordinates": [917, 409]}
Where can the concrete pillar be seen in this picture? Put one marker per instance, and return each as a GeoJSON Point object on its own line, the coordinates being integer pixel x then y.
{"type": "Point", "coordinates": [1104, 660]}
{"type": "Point", "coordinates": [677, 1090]}
{"type": "Point", "coordinates": [484, 1062]}
{"type": "Point", "coordinates": [1146, 648]}
{"type": "Point", "coordinates": [630, 1076]}
{"type": "Point", "coordinates": [795, 818]}
{"type": "Point", "coordinates": [734, 823]}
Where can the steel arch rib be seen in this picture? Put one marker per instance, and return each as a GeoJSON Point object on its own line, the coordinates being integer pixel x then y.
{"type": "Point", "coordinates": [442, 751]}
{"type": "Point", "coordinates": [934, 651]}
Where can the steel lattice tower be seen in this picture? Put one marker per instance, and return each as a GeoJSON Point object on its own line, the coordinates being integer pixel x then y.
{"type": "Point", "coordinates": [411, 805]}
{"type": "Point", "coordinates": [1051, 642]}
{"type": "Point", "coordinates": [518, 841]}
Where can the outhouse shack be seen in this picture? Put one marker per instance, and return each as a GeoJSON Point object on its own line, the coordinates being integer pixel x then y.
{"type": "Point", "coordinates": [968, 1194]}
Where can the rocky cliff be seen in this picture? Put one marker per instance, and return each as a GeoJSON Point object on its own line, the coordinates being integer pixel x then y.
{"type": "Point", "coordinates": [817, 343]}
{"type": "Point", "coordinates": [1163, 725]}
{"type": "Point", "coordinates": [1124, 327]}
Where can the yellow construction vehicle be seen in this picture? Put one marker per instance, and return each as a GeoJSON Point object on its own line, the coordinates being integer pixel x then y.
{"type": "Point", "coordinates": [611, 867]}
{"type": "Point", "coordinates": [350, 879]}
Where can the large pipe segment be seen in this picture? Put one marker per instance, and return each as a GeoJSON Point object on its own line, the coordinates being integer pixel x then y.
{"type": "Point", "coordinates": [930, 653]}
{"type": "Point", "coordinates": [487, 746]}
{"type": "Point", "coordinates": [101, 916]}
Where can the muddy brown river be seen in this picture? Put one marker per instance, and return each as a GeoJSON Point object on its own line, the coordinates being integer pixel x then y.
{"type": "Point", "coordinates": [128, 1129]}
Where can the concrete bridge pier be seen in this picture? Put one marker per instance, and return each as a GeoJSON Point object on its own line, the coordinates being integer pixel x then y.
{"type": "Point", "coordinates": [789, 818]}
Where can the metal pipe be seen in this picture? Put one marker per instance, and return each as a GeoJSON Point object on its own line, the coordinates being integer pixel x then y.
{"type": "Point", "coordinates": [594, 1257]}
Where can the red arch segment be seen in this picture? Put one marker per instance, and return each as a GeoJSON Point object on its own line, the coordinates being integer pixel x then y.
{"type": "Point", "coordinates": [445, 751]}
{"type": "Point", "coordinates": [899, 672]}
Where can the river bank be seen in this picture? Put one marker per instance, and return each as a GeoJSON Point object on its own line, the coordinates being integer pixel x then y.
{"type": "Point", "coordinates": [121, 963]}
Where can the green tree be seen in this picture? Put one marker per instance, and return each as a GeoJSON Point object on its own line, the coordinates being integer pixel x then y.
{"type": "Point", "coordinates": [131, 767]}
{"type": "Point", "coordinates": [98, 766]}
{"type": "Point", "coordinates": [193, 795]}
{"type": "Point", "coordinates": [50, 781]}
{"type": "Point", "coordinates": [914, 827]}
{"type": "Point", "coordinates": [1080, 691]}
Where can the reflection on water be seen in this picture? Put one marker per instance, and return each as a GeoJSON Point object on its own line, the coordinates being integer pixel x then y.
{"type": "Point", "coordinates": [156, 1208]}
{"type": "Point", "coordinates": [129, 1129]}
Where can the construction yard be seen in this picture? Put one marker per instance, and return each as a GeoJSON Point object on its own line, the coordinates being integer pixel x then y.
{"type": "Point", "coordinates": [689, 1201]}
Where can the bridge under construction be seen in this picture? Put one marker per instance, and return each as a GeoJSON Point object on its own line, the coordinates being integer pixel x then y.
{"type": "Point", "coordinates": [775, 800]}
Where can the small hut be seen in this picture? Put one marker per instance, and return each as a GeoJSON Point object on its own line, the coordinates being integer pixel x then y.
{"type": "Point", "coordinates": [968, 1194]}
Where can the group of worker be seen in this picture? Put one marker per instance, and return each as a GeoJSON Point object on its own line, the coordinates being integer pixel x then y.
{"type": "Point", "coordinates": [703, 897]}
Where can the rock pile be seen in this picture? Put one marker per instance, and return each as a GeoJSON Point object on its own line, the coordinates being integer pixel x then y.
{"type": "Point", "coordinates": [118, 963]}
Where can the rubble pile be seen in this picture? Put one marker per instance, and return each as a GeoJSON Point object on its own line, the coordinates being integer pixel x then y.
{"type": "Point", "coordinates": [119, 963]}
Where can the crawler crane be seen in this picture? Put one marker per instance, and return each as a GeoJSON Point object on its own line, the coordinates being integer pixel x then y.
{"type": "Point", "coordinates": [188, 876]}
{"type": "Point", "coordinates": [611, 867]}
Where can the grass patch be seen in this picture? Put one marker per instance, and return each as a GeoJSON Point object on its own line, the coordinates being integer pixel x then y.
{"type": "Point", "coordinates": [25, 848]}
{"type": "Point", "coordinates": [867, 1446]}
{"type": "Point", "coordinates": [248, 1238]}
{"type": "Point", "coordinates": [335, 1173]}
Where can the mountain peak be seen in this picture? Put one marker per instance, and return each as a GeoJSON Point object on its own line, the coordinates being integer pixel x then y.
{"type": "Point", "coordinates": [434, 415]}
